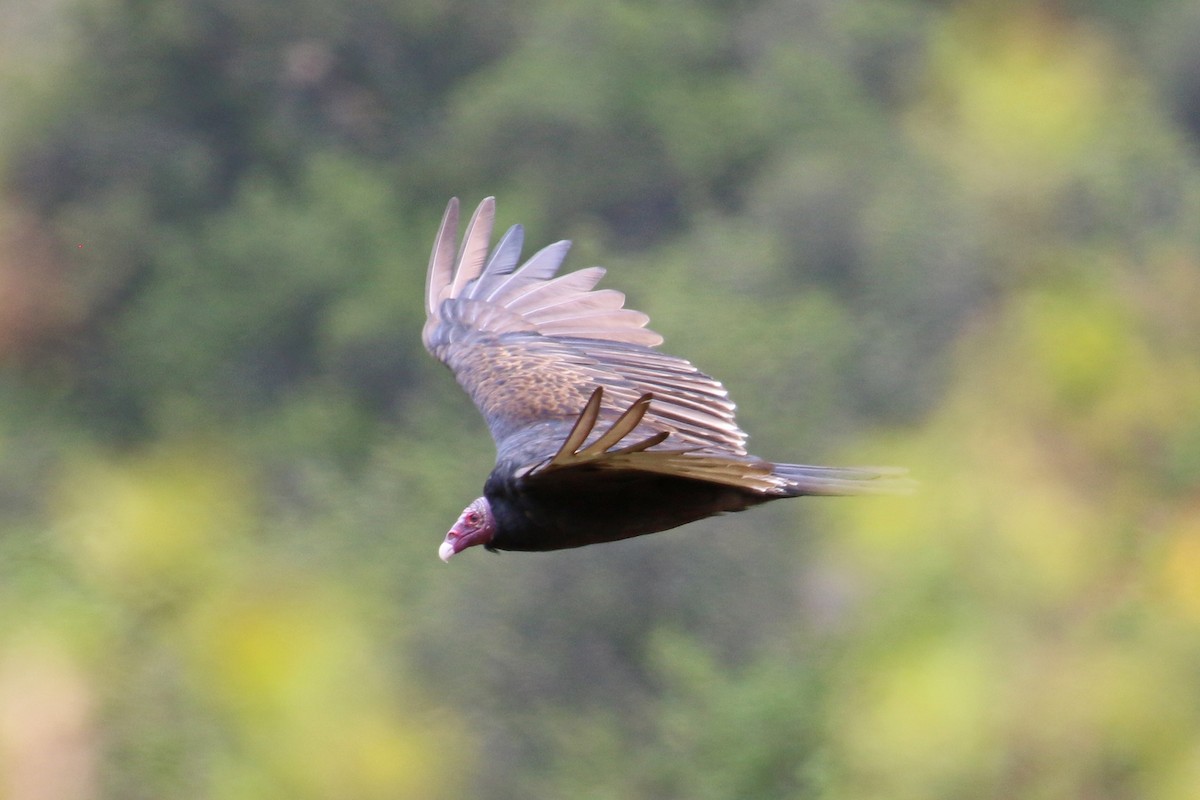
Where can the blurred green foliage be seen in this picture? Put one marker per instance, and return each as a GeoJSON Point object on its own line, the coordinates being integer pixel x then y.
{"type": "Point", "coordinates": [959, 236]}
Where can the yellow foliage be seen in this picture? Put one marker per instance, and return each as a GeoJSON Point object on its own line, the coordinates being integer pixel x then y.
{"type": "Point", "coordinates": [1093, 370]}
{"type": "Point", "coordinates": [1079, 343]}
{"type": "Point", "coordinates": [278, 657]}
{"type": "Point", "coordinates": [1016, 98]}
{"type": "Point", "coordinates": [1047, 535]}
{"type": "Point", "coordinates": [151, 523]}
{"type": "Point", "coordinates": [1179, 575]}
{"type": "Point", "coordinates": [263, 649]}
{"type": "Point", "coordinates": [299, 684]}
{"type": "Point", "coordinates": [1038, 593]}
{"type": "Point", "coordinates": [926, 715]}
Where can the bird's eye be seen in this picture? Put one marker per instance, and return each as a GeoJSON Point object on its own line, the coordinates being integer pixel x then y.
{"type": "Point", "coordinates": [472, 518]}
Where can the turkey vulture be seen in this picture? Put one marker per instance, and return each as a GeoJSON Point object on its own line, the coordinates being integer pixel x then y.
{"type": "Point", "coordinates": [599, 436]}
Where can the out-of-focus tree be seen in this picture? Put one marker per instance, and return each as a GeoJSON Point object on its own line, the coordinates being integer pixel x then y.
{"type": "Point", "coordinates": [186, 657]}
{"type": "Point", "coordinates": [225, 463]}
{"type": "Point", "coordinates": [1024, 625]}
{"type": "Point", "coordinates": [1042, 638]}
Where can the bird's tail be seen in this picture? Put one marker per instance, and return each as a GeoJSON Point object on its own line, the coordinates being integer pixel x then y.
{"type": "Point", "coordinates": [803, 479]}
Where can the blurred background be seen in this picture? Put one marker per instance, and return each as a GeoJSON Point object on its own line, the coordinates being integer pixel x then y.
{"type": "Point", "coordinates": [961, 237]}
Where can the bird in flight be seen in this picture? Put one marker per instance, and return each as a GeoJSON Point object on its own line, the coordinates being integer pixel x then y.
{"type": "Point", "coordinates": [599, 436]}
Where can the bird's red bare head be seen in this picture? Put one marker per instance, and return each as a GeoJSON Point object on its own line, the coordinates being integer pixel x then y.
{"type": "Point", "coordinates": [475, 525]}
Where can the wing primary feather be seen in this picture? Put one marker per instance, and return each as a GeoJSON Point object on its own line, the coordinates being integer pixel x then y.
{"type": "Point", "coordinates": [583, 426]}
{"type": "Point", "coordinates": [635, 334]}
{"type": "Point", "coordinates": [599, 320]}
{"type": "Point", "coordinates": [555, 290]}
{"type": "Point", "coordinates": [500, 264]}
{"type": "Point", "coordinates": [621, 428]}
{"type": "Point", "coordinates": [474, 246]}
{"type": "Point", "coordinates": [573, 307]}
{"type": "Point", "coordinates": [441, 260]}
{"type": "Point", "coordinates": [541, 266]}
{"type": "Point", "coordinates": [645, 444]}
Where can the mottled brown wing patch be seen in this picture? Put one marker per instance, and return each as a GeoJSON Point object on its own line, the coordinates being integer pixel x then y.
{"type": "Point", "coordinates": [516, 382]}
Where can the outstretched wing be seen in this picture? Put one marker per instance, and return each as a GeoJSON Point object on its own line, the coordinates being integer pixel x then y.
{"type": "Point", "coordinates": [531, 348]}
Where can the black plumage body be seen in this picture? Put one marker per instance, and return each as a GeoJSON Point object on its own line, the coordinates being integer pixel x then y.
{"type": "Point", "coordinates": [592, 507]}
